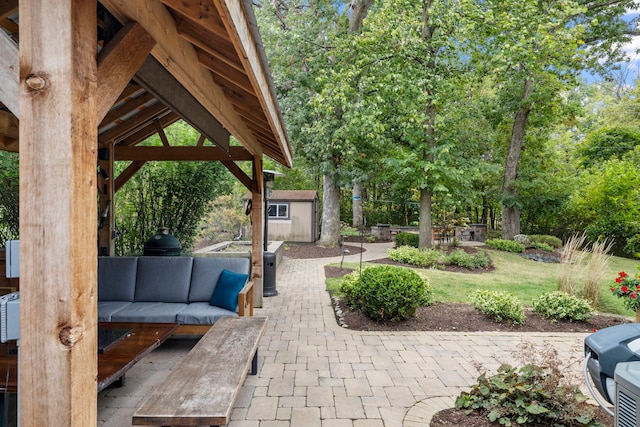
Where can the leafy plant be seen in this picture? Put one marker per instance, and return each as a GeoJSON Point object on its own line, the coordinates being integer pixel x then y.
{"type": "Point", "coordinates": [390, 293]}
{"type": "Point", "coordinates": [542, 246]}
{"type": "Point", "coordinates": [463, 259]}
{"type": "Point", "coordinates": [627, 288]}
{"type": "Point", "coordinates": [531, 395]}
{"type": "Point", "coordinates": [505, 245]}
{"type": "Point", "coordinates": [560, 306]}
{"type": "Point", "coordinates": [632, 247]}
{"type": "Point", "coordinates": [407, 239]}
{"type": "Point", "coordinates": [552, 241]}
{"type": "Point", "coordinates": [415, 256]}
{"type": "Point", "coordinates": [350, 289]}
{"type": "Point", "coordinates": [499, 306]}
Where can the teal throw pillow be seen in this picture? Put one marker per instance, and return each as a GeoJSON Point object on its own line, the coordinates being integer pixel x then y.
{"type": "Point", "coordinates": [226, 292]}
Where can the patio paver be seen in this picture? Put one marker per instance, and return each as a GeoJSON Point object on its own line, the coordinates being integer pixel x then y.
{"type": "Point", "coordinates": [316, 373]}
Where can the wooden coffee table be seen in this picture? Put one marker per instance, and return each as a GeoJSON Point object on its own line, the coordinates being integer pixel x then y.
{"type": "Point", "coordinates": [141, 339]}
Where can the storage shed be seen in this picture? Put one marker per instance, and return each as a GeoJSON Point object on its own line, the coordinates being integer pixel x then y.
{"type": "Point", "coordinates": [293, 215]}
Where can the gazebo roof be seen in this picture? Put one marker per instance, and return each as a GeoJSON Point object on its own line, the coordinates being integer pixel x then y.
{"type": "Point", "coordinates": [207, 67]}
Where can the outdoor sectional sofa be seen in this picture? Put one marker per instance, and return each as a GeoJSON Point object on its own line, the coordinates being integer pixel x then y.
{"type": "Point", "coordinates": [183, 290]}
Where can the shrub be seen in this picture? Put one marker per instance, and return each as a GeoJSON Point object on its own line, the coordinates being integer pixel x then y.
{"type": "Point", "coordinates": [522, 238]}
{"type": "Point", "coordinates": [542, 246]}
{"type": "Point", "coordinates": [463, 259]}
{"type": "Point", "coordinates": [552, 241]}
{"type": "Point", "coordinates": [505, 245]}
{"type": "Point", "coordinates": [391, 293]}
{"type": "Point", "coordinates": [560, 306]}
{"type": "Point", "coordinates": [531, 395]}
{"type": "Point", "coordinates": [499, 306]}
{"type": "Point", "coordinates": [350, 289]}
{"type": "Point", "coordinates": [415, 256]}
{"type": "Point", "coordinates": [632, 247]}
{"type": "Point", "coordinates": [407, 239]}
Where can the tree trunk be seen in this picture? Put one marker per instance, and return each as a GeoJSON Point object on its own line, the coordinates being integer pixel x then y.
{"type": "Point", "coordinates": [425, 226]}
{"type": "Point", "coordinates": [356, 200]}
{"type": "Point", "coordinates": [359, 10]}
{"type": "Point", "coordinates": [510, 208]}
{"type": "Point", "coordinates": [330, 232]}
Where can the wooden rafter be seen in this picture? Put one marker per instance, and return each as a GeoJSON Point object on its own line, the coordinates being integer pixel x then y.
{"type": "Point", "coordinates": [118, 62]}
{"type": "Point", "coordinates": [145, 117]}
{"type": "Point", "coordinates": [8, 8]}
{"type": "Point", "coordinates": [147, 130]}
{"type": "Point", "coordinates": [9, 74]}
{"type": "Point", "coordinates": [193, 153]}
{"type": "Point", "coordinates": [179, 57]}
{"type": "Point", "coordinates": [128, 107]}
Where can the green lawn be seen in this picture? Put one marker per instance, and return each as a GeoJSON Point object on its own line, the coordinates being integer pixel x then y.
{"type": "Point", "coordinates": [514, 274]}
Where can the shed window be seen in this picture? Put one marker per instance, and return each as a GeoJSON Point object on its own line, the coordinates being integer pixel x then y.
{"type": "Point", "coordinates": [278, 210]}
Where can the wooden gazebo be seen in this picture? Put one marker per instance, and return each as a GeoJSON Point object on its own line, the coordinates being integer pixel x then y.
{"type": "Point", "coordinates": [81, 85]}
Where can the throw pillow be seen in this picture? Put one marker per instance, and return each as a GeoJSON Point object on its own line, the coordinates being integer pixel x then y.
{"type": "Point", "coordinates": [226, 292]}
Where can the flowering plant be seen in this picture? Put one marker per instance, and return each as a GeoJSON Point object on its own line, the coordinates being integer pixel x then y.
{"type": "Point", "coordinates": [627, 288]}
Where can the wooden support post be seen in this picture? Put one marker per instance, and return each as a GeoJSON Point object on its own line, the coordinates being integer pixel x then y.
{"type": "Point", "coordinates": [106, 192]}
{"type": "Point", "coordinates": [58, 215]}
{"type": "Point", "coordinates": [257, 232]}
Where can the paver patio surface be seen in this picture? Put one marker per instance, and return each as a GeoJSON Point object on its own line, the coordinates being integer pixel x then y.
{"type": "Point", "coordinates": [316, 373]}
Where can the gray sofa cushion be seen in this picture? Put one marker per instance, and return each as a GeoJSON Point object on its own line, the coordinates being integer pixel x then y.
{"type": "Point", "coordinates": [201, 313]}
{"type": "Point", "coordinates": [163, 279]}
{"type": "Point", "coordinates": [159, 312]}
{"type": "Point", "coordinates": [117, 278]}
{"type": "Point", "coordinates": [206, 271]}
{"type": "Point", "coordinates": [107, 308]}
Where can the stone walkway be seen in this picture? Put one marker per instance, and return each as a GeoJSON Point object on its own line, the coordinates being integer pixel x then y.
{"type": "Point", "coordinates": [314, 373]}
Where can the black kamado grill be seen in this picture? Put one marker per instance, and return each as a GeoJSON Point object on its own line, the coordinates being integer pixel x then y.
{"type": "Point", "coordinates": [162, 244]}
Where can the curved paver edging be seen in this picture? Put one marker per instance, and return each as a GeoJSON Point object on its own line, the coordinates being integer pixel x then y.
{"type": "Point", "coordinates": [420, 414]}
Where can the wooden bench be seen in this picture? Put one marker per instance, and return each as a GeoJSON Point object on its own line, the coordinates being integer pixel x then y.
{"type": "Point", "coordinates": [203, 388]}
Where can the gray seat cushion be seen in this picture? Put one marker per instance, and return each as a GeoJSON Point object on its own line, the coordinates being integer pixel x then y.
{"type": "Point", "coordinates": [117, 278]}
{"type": "Point", "coordinates": [163, 279]}
{"type": "Point", "coordinates": [151, 312]}
{"type": "Point", "coordinates": [201, 313]}
{"type": "Point", "coordinates": [107, 308]}
{"type": "Point", "coordinates": [206, 271]}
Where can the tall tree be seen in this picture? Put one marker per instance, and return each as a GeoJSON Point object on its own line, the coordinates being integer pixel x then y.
{"type": "Point", "coordinates": [537, 48]}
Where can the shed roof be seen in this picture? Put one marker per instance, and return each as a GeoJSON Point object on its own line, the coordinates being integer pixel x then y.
{"type": "Point", "coordinates": [290, 195]}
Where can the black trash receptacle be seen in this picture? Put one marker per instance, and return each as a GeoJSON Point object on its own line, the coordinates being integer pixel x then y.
{"type": "Point", "coordinates": [269, 279]}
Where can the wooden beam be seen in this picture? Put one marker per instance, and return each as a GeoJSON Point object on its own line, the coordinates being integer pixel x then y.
{"type": "Point", "coordinates": [118, 62]}
{"type": "Point", "coordinates": [257, 231]}
{"type": "Point", "coordinates": [143, 118]}
{"type": "Point", "coordinates": [179, 57]}
{"type": "Point", "coordinates": [9, 125]}
{"type": "Point", "coordinates": [194, 154]}
{"type": "Point", "coordinates": [127, 174]}
{"type": "Point", "coordinates": [157, 80]}
{"type": "Point", "coordinates": [58, 214]}
{"type": "Point", "coordinates": [9, 74]}
{"type": "Point", "coordinates": [126, 108]}
{"type": "Point", "coordinates": [148, 130]}
{"type": "Point", "coordinates": [9, 144]}
{"type": "Point", "coordinates": [240, 22]}
{"type": "Point", "coordinates": [8, 8]}
{"type": "Point", "coordinates": [239, 174]}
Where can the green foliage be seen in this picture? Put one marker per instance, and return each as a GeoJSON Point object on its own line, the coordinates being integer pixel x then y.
{"type": "Point", "coordinates": [9, 197]}
{"type": "Point", "coordinates": [505, 245]}
{"type": "Point", "coordinates": [225, 220]}
{"type": "Point", "coordinates": [406, 239]}
{"type": "Point", "coordinates": [499, 306]}
{"type": "Point", "coordinates": [531, 395]}
{"type": "Point", "coordinates": [560, 306]}
{"type": "Point", "coordinates": [389, 293]}
{"type": "Point", "coordinates": [552, 241]}
{"type": "Point", "coordinates": [350, 289]}
{"type": "Point", "coordinates": [415, 256]}
{"type": "Point", "coordinates": [607, 142]}
{"type": "Point", "coordinates": [170, 194]}
{"type": "Point", "coordinates": [632, 247]}
{"type": "Point", "coordinates": [463, 259]}
{"type": "Point", "coordinates": [543, 246]}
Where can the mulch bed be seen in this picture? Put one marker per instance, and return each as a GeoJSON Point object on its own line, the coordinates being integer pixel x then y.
{"type": "Point", "coordinates": [454, 317]}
